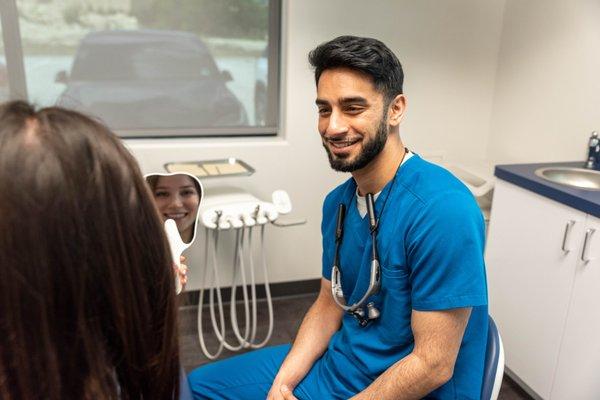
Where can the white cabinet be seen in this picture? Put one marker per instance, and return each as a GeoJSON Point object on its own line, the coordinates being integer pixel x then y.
{"type": "Point", "coordinates": [578, 372]}
{"type": "Point", "coordinates": [541, 294]}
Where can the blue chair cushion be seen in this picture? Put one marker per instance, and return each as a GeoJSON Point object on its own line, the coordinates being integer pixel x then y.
{"type": "Point", "coordinates": [491, 360]}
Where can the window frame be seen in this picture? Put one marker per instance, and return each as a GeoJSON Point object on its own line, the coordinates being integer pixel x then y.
{"type": "Point", "coordinates": [17, 81]}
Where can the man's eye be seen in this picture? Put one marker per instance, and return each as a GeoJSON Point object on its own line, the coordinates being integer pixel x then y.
{"type": "Point", "coordinates": [354, 109]}
{"type": "Point", "coordinates": [323, 111]}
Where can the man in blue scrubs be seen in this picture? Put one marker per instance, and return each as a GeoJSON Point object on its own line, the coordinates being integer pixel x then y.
{"type": "Point", "coordinates": [430, 338]}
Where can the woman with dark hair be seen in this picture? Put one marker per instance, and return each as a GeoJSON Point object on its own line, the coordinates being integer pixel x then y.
{"type": "Point", "coordinates": [87, 296]}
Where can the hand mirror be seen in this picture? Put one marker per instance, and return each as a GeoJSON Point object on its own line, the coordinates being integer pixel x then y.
{"type": "Point", "coordinates": [177, 197]}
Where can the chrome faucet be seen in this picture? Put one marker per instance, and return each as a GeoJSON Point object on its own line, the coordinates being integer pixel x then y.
{"type": "Point", "coordinates": [593, 160]}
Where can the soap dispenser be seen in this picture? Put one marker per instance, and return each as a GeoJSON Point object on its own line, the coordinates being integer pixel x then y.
{"type": "Point", "coordinates": [593, 160]}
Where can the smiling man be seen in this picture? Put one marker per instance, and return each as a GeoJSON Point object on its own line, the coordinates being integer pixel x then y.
{"type": "Point", "coordinates": [414, 322]}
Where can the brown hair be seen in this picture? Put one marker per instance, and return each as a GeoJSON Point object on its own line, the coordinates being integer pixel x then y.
{"type": "Point", "coordinates": [87, 299]}
{"type": "Point", "coordinates": [152, 181]}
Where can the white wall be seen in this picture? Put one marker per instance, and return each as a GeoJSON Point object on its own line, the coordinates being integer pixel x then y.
{"type": "Point", "coordinates": [547, 98]}
{"type": "Point", "coordinates": [449, 52]}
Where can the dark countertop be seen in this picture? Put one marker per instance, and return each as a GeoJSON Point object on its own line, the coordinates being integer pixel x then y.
{"type": "Point", "coordinates": [523, 175]}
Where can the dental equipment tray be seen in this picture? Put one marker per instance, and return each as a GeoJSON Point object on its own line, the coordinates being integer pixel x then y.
{"type": "Point", "coordinates": [212, 168]}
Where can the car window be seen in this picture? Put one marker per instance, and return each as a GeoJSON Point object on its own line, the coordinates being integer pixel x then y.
{"type": "Point", "coordinates": [166, 62]}
{"type": "Point", "coordinates": [103, 62]}
{"type": "Point", "coordinates": [156, 61]}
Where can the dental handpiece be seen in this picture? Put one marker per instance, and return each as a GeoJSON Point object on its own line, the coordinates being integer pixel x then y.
{"type": "Point", "coordinates": [248, 220]}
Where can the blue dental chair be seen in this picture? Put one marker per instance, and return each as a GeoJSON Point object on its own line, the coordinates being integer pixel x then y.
{"type": "Point", "coordinates": [185, 393]}
{"type": "Point", "coordinates": [494, 364]}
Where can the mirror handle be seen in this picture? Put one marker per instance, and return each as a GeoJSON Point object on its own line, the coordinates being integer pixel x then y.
{"type": "Point", "coordinates": [177, 247]}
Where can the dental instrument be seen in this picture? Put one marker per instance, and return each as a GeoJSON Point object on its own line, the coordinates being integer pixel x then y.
{"type": "Point", "coordinates": [224, 209]}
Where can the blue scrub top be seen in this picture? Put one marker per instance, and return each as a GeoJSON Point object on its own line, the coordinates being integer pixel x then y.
{"type": "Point", "coordinates": [430, 243]}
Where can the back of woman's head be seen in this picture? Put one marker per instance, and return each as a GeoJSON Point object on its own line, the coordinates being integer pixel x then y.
{"type": "Point", "coordinates": [87, 303]}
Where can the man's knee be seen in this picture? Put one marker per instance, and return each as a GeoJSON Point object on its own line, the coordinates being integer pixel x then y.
{"type": "Point", "coordinates": [248, 373]}
{"type": "Point", "coordinates": [203, 380]}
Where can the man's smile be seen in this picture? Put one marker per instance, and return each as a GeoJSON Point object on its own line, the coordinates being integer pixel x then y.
{"type": "Point", "coordinates": [342, 145]}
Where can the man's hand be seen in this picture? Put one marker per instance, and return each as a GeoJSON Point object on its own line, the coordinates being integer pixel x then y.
{"type": "Point", "coordinates": [321, 321]}
{"type": "Point", "coordinates": [281, 392]}
{"type": "Point", "coordinates": [287, 393]}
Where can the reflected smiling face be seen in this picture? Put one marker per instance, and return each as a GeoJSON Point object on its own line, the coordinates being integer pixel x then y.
{"type": "Point", "coordinates": [178, 199]}
{"type": "Point", "coordinates": [352, 118]}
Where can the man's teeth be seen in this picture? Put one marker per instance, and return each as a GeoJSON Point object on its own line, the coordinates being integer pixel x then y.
{"type": "Point", "coordinates": [343, 143]}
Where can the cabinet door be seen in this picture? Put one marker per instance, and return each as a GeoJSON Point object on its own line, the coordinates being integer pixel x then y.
{"type": "Point", "coordinates": [577, 375]}
{"type": "Point", "coordinates": [530, 279]}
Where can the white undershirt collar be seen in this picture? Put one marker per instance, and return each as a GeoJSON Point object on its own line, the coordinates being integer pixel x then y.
{"type": "Point", "coordinates": [361, 201]}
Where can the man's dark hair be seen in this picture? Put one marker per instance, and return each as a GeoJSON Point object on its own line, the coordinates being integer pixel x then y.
{"type": "Point", "coordinates": [366, 55]}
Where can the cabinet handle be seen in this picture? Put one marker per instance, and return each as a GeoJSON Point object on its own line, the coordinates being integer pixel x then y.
{"type": "Point", "coordinates": [566, 235]}
{"type": "Point", "coordinates": [586, 245]}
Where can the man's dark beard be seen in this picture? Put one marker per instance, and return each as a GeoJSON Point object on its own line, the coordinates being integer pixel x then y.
{"type": "Point", "coordinates": [370, 150]}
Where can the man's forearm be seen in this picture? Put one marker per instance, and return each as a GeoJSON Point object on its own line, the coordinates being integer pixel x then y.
{"type": "Point", "coordinates": [408, 379]}
{"type": "Point", "coordinates": [438, 335]}
{"type": "Point", "coordinates": [320, 323]}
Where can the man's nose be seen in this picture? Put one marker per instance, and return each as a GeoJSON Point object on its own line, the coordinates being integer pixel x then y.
{"type": "Point", "coordinates": [337, 124]}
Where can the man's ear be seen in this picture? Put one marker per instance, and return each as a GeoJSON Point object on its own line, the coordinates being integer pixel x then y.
{"type": "Point", "coordinates": [396, 110]}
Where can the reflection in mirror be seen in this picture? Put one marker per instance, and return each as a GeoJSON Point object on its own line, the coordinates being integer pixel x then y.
{"type": "Point", "coordinates": [177, 197]}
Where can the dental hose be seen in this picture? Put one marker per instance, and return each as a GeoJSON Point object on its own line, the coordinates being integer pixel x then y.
{"type": "Point", "coordinates": [248, 339]}
{"type": "Point", "coordinates": [221, 335]}
{"type": "Point", "coordinates": [201, 297]}
{"type": "Point", "coordinates": [253, 288]}
{"type": "Point", "coordinates": [245, 341]}
{"type": "Point", "coordinates": [253, 344]}
{"type": "Point", "coordinates": [219, 332]}
{"type": "Point", "coordinates": [238, 262]}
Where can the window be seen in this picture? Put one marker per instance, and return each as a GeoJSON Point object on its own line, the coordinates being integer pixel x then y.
{"type": "Point", "coordinates": [148, 68]}
{"type": "Point", "coordinates": [4, 93]}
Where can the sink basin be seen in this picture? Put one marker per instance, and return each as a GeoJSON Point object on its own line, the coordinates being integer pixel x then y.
{"type": "Point", "coordinates": [575, 177]}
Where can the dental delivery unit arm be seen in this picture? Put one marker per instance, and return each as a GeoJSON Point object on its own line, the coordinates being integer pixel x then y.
{"type": "Point", "coordinates": [228, 208]}
{"type": "Point", "coordinates": [233, 208]}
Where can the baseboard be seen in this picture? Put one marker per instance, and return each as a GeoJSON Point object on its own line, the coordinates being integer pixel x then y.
{"type": "Point", "coordinates": [526, 389]}
{"type": "Point", "coordinates": [281, 289]}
